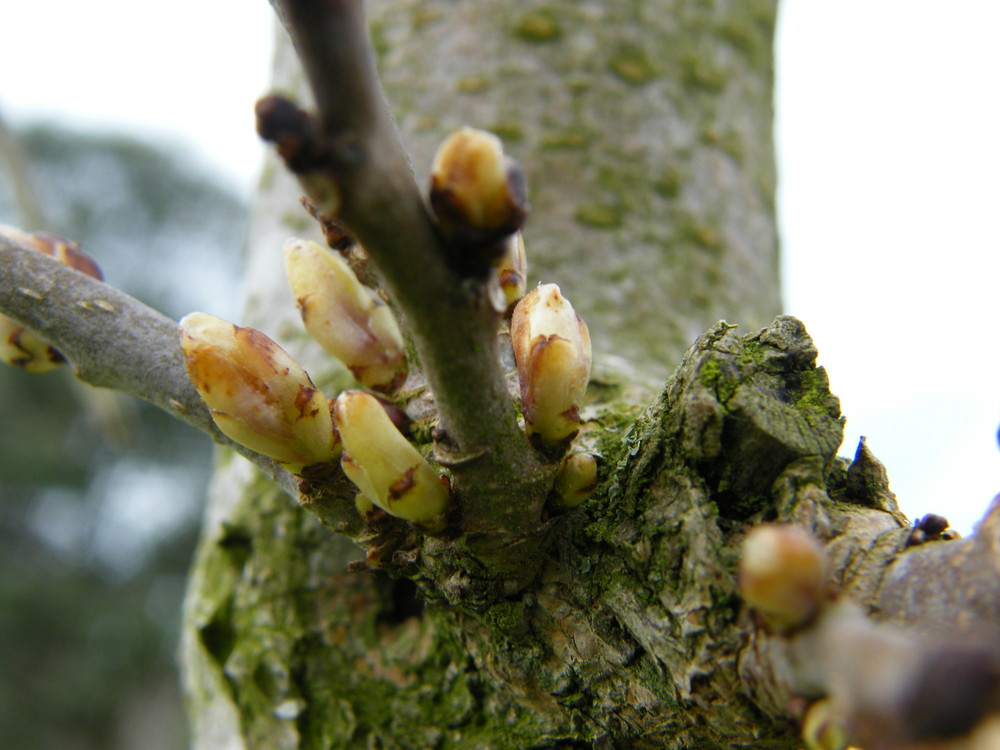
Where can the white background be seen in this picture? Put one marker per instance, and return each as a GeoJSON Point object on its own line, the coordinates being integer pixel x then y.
{"type": "Point", "coordinates": [889, 150]}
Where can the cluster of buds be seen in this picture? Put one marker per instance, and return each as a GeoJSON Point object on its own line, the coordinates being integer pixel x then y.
{"type": "Point", "coordinates": [347, 318]}
{"type": "Point", "coordinates": [478, 196]}
{"type": "Point", "coordinates": [257, 394]}
{"type": "Point", "coordinates": [390, 472]}
{"type": "Point", "coordinates": [782, 574]}
{"type": "Point", "coordinates": [19, 346]}
{"type": "Point", "coordinates": [552, 351]}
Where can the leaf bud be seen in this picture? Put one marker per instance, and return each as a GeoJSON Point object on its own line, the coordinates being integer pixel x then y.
{"type": "Point", "coordinates": [389, 471]}
{"type": "Point", "coordinates": [576, 480]}
{"type": "Point", "coordinates": [552, 351]}
{"type": "Point", "coordinates": [257, 394]}
{"type": "Point", "coordinates": [477, 194]}
{"type": "Point", "coordinates": [19, 346]}
{"type": "Point", "coordinates": [822, 729]}
{"type": "Point", "coordinates": [512, 269]}
{"type": "Point", "coordinates": [22, 348]}
{"type": "Point", "coordinates": [348, 319]}
{"type": "Point", "coordinates": [782, 574]}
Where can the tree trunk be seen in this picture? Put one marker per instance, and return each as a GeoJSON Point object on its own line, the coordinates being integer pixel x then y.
{"type": "Point", "coordinates": [645, 133]}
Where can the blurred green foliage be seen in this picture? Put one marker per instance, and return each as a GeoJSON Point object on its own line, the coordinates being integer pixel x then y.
{"type": "Point", "coordinates": [100, 497]}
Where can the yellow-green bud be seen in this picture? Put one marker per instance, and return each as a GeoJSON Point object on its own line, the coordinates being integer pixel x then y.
{"type": "Point", "coordinates": [347, 318]}
{"type": "Point", "coordinates": [576, 480]}
{"type": "Point", "coordinates": [782, 574]}
{"type": "Point", "coordinates": [19, 346]}
{"type": "Point", "coordinates": [389, 471]}
{"type": "Point", "coordinates": [478, 196]}
{"type": "Point", "coordinates": [257, 394]}
{"type": "Point", "coordinates": [512, 269]}
{"type": "Point", "coordinates": [822, 729]}
{"type": "Point", "coordinates": [552, 350]}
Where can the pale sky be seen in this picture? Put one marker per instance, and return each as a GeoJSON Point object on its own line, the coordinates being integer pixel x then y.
{"type": "Point", "coordinates": [888, 123]}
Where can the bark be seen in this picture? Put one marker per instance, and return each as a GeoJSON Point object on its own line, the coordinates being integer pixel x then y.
{"type": "Point", "coordinates": [645, 131]}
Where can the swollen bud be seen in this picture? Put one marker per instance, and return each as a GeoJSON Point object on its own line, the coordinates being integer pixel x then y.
{"type": "Point", "coordinates": [477, 194]}
{"type": "Point", "coordinates": [552, 350]}
{"type": "Point", "coordinates": [347, 318]}
{"type": "Point", "coordinates": [389, 471]}
{"type": "Point", "coordinates": [576, 480]}
{"type": "Point", "coordinates": [19, 346]}
{"type": "Point", "coordinates": [782, 574]}
{"type": "Point", "coordinates": [257, 394]}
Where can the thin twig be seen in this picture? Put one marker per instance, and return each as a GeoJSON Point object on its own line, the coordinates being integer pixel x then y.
{"type": "Point", "coordinates": [363, 176]}
{"type": "Point", "coordinates": [113, 340]}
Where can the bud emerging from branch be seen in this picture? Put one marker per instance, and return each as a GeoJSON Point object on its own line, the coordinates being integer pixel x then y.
{"type": "Point", "coordinates": [19, 346]}
{"type": "Point", "coordinates": [347, 318]}
{"type": "Point", "coordinates": [575, 480]}
{"type": "Point", "coordinates": [478, 196]}
{"type": "Point", "coordinates": [782, 574]}
{"type": "Point", "coordinates": [389, 471]}
{"type": "Point", "coordinates": [512, 269]}
{"type": "Point", "coordinates": [258, 395]}
{"type": "Point", "coordinates": [822, 729]}
{"type": "Point", "coordinates": [552, 350]}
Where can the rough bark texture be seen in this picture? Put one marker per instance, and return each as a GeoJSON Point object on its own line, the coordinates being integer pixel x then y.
{"type": "Point", "coordinates": [645, 130]}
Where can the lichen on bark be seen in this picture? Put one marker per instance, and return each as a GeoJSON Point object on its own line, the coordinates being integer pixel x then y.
{"type": "Point", "coordinates": [631, 634]}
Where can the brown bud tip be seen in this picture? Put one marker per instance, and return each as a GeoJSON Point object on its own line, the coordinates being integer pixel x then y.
{"type": "Point", "coordinates": [292, 130]}
{"type": "Point", "coordinates": [18, 346]}
{"type": "Point", "coordinates": [932, 524]}
{"type": "Point", "coordinates": [65, 251]}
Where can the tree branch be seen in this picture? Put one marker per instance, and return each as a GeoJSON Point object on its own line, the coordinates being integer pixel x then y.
{"type": "Point", "coordinates": [364, 179]}
{"type": "Point", "coordinates": [113, 340]}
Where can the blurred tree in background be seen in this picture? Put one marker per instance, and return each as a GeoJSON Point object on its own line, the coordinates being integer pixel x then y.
{"type": "Point", "coordinates": [97, 529]}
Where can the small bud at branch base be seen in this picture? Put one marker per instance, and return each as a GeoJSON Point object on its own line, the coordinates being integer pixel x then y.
{"type": "Point", "coordinates": [389, 471]}
{"type": "Point", "coordinates": [782, 574]}
{"type": "Point", "coordinates": [822, 729]}
{"type": "Point", "coordinates": [575, 480]}
{"type": "Point", "coordinates": [552, 349]}
{"type": "Point", "coordinates": [512, 269]}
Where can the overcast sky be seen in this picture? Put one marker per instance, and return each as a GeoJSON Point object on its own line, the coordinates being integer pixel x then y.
{"type": "Point", "coordinates": [888, 125]}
